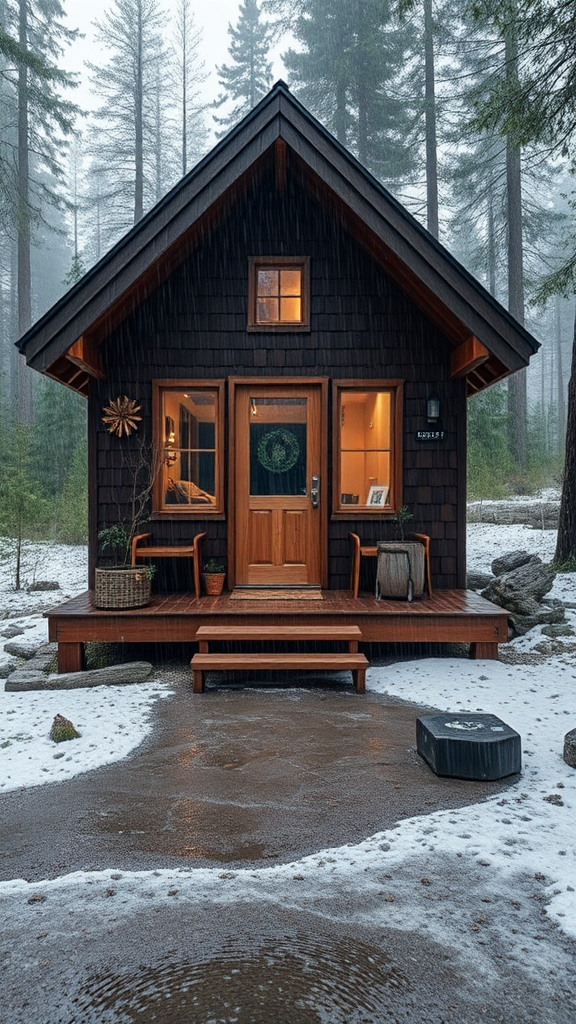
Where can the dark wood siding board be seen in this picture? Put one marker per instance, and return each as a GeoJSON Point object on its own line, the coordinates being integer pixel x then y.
{"type": "Point", "coordinates": [93, 480]}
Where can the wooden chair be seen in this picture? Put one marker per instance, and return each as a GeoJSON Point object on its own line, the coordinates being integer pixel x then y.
{"type": "Point", "coordinates": [360, 551]}
{"type": "Point", "coordinates": [140, 549]}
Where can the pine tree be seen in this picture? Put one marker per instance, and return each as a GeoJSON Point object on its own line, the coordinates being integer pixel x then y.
{"type": "Point", "coordinates": [190, 75]}
{"type": "Point", "coordinates": [24, 512]}
{"type": "Point", "coordinates": [33, 37]}
{"type": "Point", "coordinates": [540, 107]}
{"type": "Point", "coordinates": [248, 77]}
{"type": "Point", "coordinates": [125, 137]}
{"type": "Point", "coordinates": [353, 72]}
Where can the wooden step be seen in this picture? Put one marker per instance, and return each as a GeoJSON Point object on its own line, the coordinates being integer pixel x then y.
{"type": "Point", "coordinates": [356, 663]}
{"type": "Point", "coordinates": [291, 633]}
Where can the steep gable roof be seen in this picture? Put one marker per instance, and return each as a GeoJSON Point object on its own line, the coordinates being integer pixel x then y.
{"type": "Point", "coordinates": [488, 342]}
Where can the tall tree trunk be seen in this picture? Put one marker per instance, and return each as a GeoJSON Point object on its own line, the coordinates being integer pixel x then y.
{"type": "Point", "coordinates": [340, 114]}
{"type": "Point", "coordinates": [138, 122]}
{"type": "Point", "coordinates": [517, 398]}
{"type": "Point", "coordinates": [24, 271]}
{"type": "Point", "coordinates": [184, 29]}
{"type": "Point", "coordinates": [560, 403]}
{"type": "Point", "coordinates": [566, 541]}
{"type": "Point", "coordinates": [430, 112]}
{"type": "Point", "coordinates": [158, 154]}
{"type": "Point", "coordinates": [491, 236]}
{"type": "Point", "coordinates": [362, 84]}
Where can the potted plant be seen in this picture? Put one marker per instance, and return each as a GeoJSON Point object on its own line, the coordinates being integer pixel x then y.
{"type": "Point", "coordinates": [214, 575]}
{"type": "Point", "coordinates": [122, 585]}
{"type": "Point", "coordinates": [400, 568]}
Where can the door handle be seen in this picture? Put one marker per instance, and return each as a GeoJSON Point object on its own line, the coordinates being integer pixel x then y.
{"type": "Point", "coordinates": [315, 492]}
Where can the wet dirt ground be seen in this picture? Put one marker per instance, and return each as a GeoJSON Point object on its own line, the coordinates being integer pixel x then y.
{"type": "Point", "coordinates": [247, 778]}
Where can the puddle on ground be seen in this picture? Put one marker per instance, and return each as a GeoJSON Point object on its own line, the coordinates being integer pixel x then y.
{"type": "Point", "coordinates": [296, 981]}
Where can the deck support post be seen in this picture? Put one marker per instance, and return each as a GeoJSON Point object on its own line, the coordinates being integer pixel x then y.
{"type": "Point", "coordinates": [71, 657]}
{"type": "Point", "coordinates": [484, 651]}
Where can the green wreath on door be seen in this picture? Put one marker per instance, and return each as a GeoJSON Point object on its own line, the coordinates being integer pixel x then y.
{"type": "Point", "coordinates": [278, 450]}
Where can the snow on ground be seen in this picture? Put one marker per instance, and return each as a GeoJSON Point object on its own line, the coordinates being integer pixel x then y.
{"type": "Point", "coordinates": [518, 834]}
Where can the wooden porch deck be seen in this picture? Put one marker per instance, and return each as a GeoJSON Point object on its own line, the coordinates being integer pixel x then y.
{"type": "Point", "coordinates": [449, 616]}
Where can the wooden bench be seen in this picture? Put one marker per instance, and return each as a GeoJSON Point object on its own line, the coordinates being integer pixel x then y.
{"type": "Point", "coordinates": [140, 549]}
{"type": "Point", "coordinates": [350, 660]}
{"type": "Point", "coordinates": [360, 551]}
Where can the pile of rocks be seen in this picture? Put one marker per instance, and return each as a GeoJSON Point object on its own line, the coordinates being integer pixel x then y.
{"type": "Point", "coordinates": [40, 660]}
{"type": "Point", "coordinates": [518, 583]}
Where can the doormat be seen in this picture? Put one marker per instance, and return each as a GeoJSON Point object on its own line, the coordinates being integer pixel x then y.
{"type": "Point", "coordinates": [276, 595]}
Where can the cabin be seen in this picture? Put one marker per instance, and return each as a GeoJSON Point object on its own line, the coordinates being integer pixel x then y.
{"type": "Point", "coordinates": [296, 351]}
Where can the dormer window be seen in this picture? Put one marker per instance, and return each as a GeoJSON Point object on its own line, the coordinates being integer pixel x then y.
{"type": "Point", "coordinates": [279, 294]}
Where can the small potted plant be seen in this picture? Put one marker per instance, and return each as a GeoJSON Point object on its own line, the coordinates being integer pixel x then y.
{"type": "Point", "coordinates": [214, 575]}
{"type": "Point", "coordinates": [403, 515]}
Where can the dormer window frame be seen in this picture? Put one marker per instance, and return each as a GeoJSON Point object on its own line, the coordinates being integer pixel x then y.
{"type": "Point", "coordinates": [280, 263]}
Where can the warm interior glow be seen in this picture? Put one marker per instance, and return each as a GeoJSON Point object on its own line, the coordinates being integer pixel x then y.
{"type": "Point", "coordinates": [189, 465]}
{"type": "Point", "coordinates": [279, 295]}
{"type": "Point", "coordinates": [365, 445]}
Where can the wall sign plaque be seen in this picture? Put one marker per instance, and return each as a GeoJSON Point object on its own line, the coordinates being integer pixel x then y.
{"type": "Point", "coordinates": [430, 435]}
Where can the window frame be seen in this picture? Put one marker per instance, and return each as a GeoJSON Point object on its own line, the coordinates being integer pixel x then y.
{"type": "Point", "coordinates": [256, 263]}
{"type": "Point", "coordinates": [160, 510]}
{"type": "Point", "coordinates": [394, 502]}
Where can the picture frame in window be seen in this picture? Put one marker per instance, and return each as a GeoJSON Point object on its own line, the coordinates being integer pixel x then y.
{"type": "Point", "coordinates": [378, 495]}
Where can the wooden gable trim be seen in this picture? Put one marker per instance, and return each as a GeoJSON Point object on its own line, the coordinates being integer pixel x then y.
{"type": "Point", "coordinates": [85, 354]}
{"type": "Point", "coordinates": [70, 376]}
{"type": "Point", "coordinates": [470, 354]}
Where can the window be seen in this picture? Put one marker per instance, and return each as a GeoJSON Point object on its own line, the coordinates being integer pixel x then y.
{"type": "Point", "coordinates": [367, 447]}
{"type": "Point", "coordinates": [278, 298]}
{"type": "Point", "coordinates": [188, 435]}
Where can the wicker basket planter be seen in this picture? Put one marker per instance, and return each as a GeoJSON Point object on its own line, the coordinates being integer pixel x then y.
{"type": "Point", "coordinates": [214, 582]}
{"type": "Point", "coordinates": [122, 587]}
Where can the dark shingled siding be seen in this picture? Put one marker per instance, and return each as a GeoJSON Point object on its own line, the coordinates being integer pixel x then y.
{"type": "Point", "coordinates": [362, 326]}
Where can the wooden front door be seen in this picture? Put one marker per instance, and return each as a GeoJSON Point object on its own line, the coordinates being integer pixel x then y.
{"type": "Point", "coordinates": [279, 491]}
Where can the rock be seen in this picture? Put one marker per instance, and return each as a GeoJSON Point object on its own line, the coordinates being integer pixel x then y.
{"type": "Point", "coordinates": [22, 648]}
{"type": "Point", "coordinates": [11, 631]}
{"type": "Point", "coordinates": [522, 624]}
{"type": "Point", "coordinates": [23, 679]}
{"type": "Point", "coordinates": [522, 589]}
{"type": "Point", "coordinates": [62, 729]}
{"type": "Point", "coordinates": [8, 667]}
{"type": "Point", "coordinates": [558, 629]}
{"type": "Point", "coordinates": [43, 585]}
{"type": "Point", "coordinates": [44, 659]}
{"type": "Point", "coordinates": [478, 580]}
{"type": "Point", "coordinates": [569, 754]}
{"type": "Point", "coordinates": [114, 675]}
{"type": "Point", "coordinates": [511, 560]}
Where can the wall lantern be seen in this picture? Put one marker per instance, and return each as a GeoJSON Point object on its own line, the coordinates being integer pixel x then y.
{"type": "Point", "coordinates": [433, 410]}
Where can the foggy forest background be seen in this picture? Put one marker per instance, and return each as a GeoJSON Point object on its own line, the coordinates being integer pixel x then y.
{"type": "Point", "coordinates": [462, 111]}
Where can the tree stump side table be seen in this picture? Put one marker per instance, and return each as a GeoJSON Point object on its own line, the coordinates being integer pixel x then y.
{"type": "Point", "coordinates": [469, 746]}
